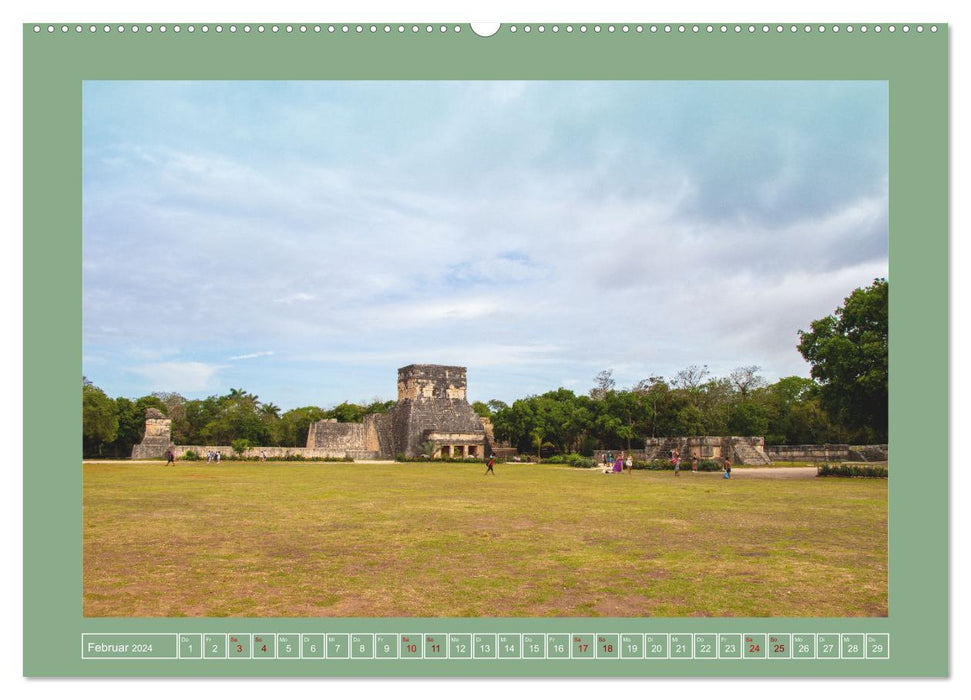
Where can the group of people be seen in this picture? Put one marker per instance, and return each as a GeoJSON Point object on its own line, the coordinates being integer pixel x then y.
{"type": "Point", "coordinates": [213, 456]}
{"type": "Point", "coordinates": [616, 467]}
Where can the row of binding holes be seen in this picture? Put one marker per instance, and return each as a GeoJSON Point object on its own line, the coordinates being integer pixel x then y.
{"type": "Point", "coordinates": [428, 28]}
{"type": "Point", "coordinates": [258, 28]}
{"type": "Point", "coordinates": [724, 28]}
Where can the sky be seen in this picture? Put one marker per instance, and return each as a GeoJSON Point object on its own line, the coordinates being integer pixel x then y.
{"type": "Point", "coordinates": [303, 240]}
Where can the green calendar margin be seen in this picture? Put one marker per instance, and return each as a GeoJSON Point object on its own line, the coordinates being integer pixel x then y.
{"type": "Point", "coordinates": [915, 66]}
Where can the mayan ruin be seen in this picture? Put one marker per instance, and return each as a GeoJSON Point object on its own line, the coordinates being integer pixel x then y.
{"type": "Point", "coordinates": [432, 413]}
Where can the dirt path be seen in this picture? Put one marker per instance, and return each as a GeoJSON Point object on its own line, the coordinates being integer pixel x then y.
{"type": "Point", "coordinates": [774, 472]}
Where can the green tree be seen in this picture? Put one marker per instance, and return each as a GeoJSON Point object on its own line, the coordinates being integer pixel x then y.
{"type": "Point", "coordinates": [295, 424]}
{"type": "Point", "coordinates": [481, 409]}
{"type": "Point", "coordinates": [848, 352]}
{"type": "Point", "coordinates": [99, 420]}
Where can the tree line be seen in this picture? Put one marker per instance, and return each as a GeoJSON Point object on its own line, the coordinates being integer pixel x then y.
{"type": "Point", "coordinates": [845, 400]}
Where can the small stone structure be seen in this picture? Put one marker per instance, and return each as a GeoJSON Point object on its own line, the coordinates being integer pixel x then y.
{"type": "Point", "coordinates": [158, 436]}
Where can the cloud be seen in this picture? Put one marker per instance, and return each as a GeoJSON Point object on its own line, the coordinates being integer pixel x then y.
{"type": "Point", "coordinates": [295, 297]}
{"type": "Point", "coordinates": [541, 229]}
{"type": "Point", "coordinates": [178, 376]}
{"type": "Point", "coordinates": [252, 355]}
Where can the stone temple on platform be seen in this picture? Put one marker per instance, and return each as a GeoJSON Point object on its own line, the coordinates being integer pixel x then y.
{"type": "Point", "coordinates": [432, 417]}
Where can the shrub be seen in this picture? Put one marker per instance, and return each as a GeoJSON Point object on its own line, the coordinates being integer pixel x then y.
{"type": "Point", "coordinates": [190, 456]}
{"type": "Point", "coordinates": [847, 470]}
{"type": "Point", "coordinates": [573, 459]}
{"type": "Point", "coordinates": [240, 446]}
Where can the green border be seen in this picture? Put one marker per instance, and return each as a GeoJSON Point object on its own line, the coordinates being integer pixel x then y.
{"type": "Point", "coordinates": [914, 64]}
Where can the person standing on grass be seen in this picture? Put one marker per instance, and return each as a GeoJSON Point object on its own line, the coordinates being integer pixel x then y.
{"type": "Point", "coordinates": [262, 455]}
{"type": "Point", "coordinates": [171, 455]}
{"type": "Point", "coordinates": [694, 463]}
{"type": "Point", "coordinates": [728, 468]}
{"type": "Point", "coordinates": [489, 465]}
{"type": "Point", "coordinates": [217, 456]}
{"type": "Point", "coordinates": [630, 465]}
{"type": "Point", "coordinates": [619, 464]}
{"type": "Point", "coordinates": [676, 461]}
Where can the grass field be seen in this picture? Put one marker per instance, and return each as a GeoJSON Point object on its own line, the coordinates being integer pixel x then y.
{"type": "Point", "coordinates": [403, 540]}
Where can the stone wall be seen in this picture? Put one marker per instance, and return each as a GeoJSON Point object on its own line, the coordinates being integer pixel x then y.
{"type": "Point", "coordinates": [823, 453]}
{"type": "Point", "coordinates": [331, 435]}
{"type": "Point", "coordinates": [227, 452]}
{"type": "Point", "coordinates": [740, 450]}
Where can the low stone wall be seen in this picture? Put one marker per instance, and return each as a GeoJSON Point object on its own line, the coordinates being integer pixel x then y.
{"type": "Point", "coordinates": [824, 453]}
{"type": "Point", "coordinates": [740, 450]}
{"type": "Point", "coordinates": [227, 452]}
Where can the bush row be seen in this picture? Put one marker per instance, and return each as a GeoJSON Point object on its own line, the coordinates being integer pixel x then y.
{"type": "Point", "coordinates": [704, 465]}
{"type": "Point", "coordinates": [573, 459]}
{"type": "Point", "coordinates": [192, 456]}
{"type": "Point", "coordinates": [866, 470]}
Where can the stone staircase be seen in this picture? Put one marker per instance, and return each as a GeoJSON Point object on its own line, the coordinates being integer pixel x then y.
{"type": "Point", "coordinates": [749, 456]}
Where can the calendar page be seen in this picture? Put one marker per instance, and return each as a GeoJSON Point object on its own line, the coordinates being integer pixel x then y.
{"type": "Point", "coordinates": [531, 349]}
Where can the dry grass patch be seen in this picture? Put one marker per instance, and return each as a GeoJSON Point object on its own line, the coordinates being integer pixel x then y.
{"type": "Point", "coordinates": [382, 540]}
